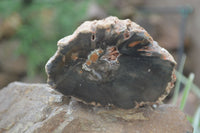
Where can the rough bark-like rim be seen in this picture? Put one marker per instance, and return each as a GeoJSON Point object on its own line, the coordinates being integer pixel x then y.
{"type": "Point", "coordinates": [87, 27]}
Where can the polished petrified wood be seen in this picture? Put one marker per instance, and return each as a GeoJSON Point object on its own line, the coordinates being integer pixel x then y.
{"type": "Point", "coordinates": [112, 62]}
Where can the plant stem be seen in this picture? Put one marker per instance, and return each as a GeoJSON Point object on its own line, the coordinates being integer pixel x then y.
{"type": "Point", "coordinates": [179, 79]}
{"type": "Point", "coordinates": [186, 91]}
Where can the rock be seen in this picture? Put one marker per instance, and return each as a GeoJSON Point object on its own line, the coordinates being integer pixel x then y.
{"type": "Point", "coordinates": [38, 108]}
{"type": "Point", "coordinates": [126, 8]}
{"type": "Point", "coordinates": [12, 67]}
{"type": "Point", "coordinates": [112, 62]}
{"type": "Point", "coordinates": [39, 78]}
{"type": "Point", "coordinates": [6, 78]}
{"type": "Point", "coordinates": [95, 11]}
{"type": "Point", "coordinates": [9, 58]}
{"type": "Point", "coordinates": [159, 26]}
{"type": "Point", "coordinates": [9, 25]}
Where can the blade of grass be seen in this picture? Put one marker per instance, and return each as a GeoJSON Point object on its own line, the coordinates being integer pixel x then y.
{"type": "Point", "coordinates": [194, 87]}
{"type": "Point", "coordinates": [186, 91]}
{"type": "Point", "coordinates": [190, 119]}
{"type": "Point", "coordinates": [196, 121]}
{"type": "Point", "coordinates": [178, 81]}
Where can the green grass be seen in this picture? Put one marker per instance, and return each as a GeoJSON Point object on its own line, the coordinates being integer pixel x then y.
{"type": "Point", "coordinates": [37, 45]}
{"type": "Point", "coordinates": [189, 86]}
{"type": "Point", "coordinates": [178, 81]}
{"type": "Point", "coordinates": [186, 91]}
{"type": "Point", "coordinates": [43, 24]}
{"type": "Point", "coordinates": [196, 121]}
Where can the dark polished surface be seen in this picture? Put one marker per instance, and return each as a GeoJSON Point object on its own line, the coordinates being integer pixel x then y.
{"type": "Point", "coordinates": [114, 62]}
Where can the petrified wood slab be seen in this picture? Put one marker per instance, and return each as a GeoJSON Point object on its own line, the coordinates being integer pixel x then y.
{"type": "Point", "coordinates": [111, 62]}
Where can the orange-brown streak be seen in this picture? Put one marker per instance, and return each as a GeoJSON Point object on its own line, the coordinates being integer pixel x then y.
{"type": "Point", "coordinates": [134, 43]}
{"type": "Point", "coordinates": [88, 62]}
{"type": "Point", "coordinates": [100, 51]}
{"type": "Point", "coordinates": [94, 57]}
{"type": "Point", "coordinates": [74, 56]}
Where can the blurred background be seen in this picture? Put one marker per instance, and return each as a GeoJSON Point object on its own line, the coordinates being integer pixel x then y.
{"type": "Point", "coordinates": [30, 29]}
